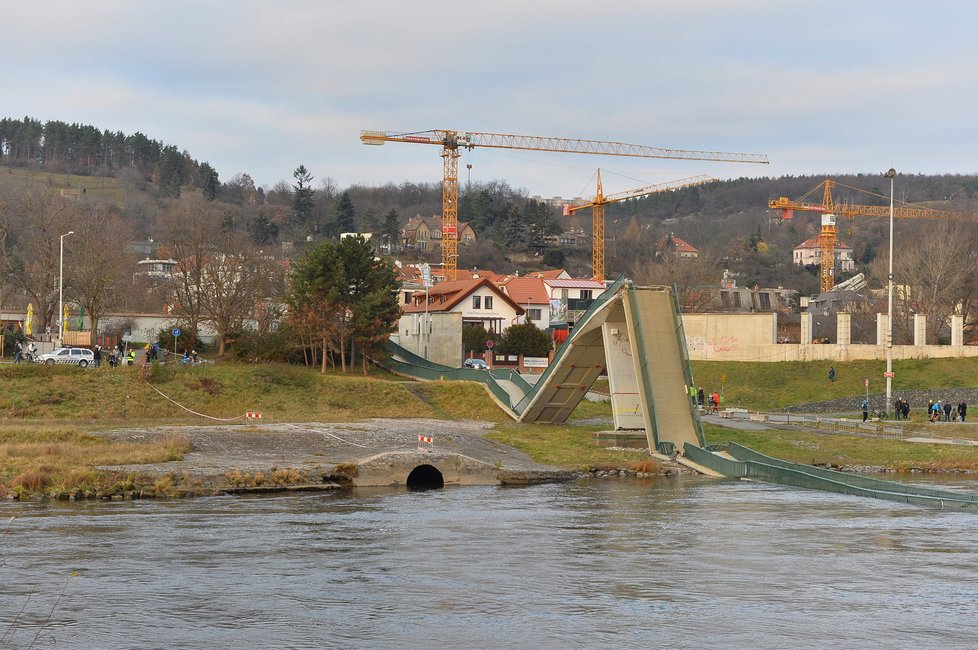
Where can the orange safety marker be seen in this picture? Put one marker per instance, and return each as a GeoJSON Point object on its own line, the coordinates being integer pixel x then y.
{"type": "Point", "coordinates": [425, 443]}
{"type": "Point", "coordinates": [253, 415]}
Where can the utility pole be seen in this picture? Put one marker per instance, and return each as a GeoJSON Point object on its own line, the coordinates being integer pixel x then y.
{"type": "Point", "coordinates": [891, 174]}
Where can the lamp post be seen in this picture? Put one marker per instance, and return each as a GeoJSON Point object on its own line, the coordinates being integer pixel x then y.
{"type": "Point", "coordinates": [891, 174]}
{"type": "Point", "coordinates": [61, 288]}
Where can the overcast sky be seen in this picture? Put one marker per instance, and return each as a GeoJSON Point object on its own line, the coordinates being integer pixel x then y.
{"type": "Point", "coordinates": [261, 87]}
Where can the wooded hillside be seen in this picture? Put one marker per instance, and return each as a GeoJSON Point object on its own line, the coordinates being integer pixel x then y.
{"type": "Point", "coordinates": [141, 178]}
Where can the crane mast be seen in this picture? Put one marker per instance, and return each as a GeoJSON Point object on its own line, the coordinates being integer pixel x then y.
{"type": "Point", "coordinates": [830, 210]}
{"type": "Point", "coordinates": [597, 212]}
{"type": "Point", "coordinates": [452, 141]}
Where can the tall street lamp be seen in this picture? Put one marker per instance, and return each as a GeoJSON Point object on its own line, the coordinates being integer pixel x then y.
{"type": "Point", "coordinates": [891, 174]}
{"type": "Point", "coordinates": [61, 289]}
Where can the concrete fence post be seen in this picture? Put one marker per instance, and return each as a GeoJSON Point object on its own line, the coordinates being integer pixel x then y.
{"type": "Point", "coordinates": [843, 328]}
{"type": "Point", "coordinates": [920, 329]}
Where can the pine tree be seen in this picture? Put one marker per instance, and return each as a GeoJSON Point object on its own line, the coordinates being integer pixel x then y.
{"type": "Point", "coordinates": [391, 231]}
{"type": "Point", "coordinates": [209, 182]}
{"type": "Point", "coordinates": [303, 200]}
{"type": "Point", "coordinates": [515, 228]}
{"type": "Point", "coordinates": [344, 215]}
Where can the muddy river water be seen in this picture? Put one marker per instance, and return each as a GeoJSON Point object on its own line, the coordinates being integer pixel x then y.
{"type": "Point", "coordinates": [671, 562]}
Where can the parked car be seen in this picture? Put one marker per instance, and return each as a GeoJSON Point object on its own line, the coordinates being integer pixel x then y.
{"type": "Point", "coordinates": [80, 357]}
{"type": "Point", "coordinates": [477, 364]}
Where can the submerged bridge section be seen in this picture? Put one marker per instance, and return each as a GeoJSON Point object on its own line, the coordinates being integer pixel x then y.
{"type": "Point", "coordinates": [633, 332]}
{"type": "Point", "coordinates": [737, 461]}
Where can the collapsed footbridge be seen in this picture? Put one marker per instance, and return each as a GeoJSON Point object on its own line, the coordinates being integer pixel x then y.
{"type": "Point", "coordinates": [635, 335]}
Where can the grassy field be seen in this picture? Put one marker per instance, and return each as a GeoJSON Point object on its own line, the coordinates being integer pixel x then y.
{"type": "Point", "coordinates": [24, 178]}
{"type": "Point", "coordinates": [767, 386]}
{"type": "Point", "coordinates": [831, 449]}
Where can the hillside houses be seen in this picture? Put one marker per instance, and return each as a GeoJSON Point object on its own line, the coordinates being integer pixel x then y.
{"type": "Point", "coordinates": [425, 234]}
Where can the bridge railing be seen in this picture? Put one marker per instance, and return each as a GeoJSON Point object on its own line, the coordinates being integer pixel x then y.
{"type": "Point", "coordinates": [598, 303]}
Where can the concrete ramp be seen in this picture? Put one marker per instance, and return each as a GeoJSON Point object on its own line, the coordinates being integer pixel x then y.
{"type": "Point", "coordinates": [633, 333]}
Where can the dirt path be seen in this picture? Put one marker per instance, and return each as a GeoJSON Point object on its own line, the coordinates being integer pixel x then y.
{"type": "Point", "coordinates": [315, 446]}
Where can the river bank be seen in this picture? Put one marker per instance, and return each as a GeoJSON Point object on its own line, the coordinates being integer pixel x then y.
{"type": "Point", "coordinates": [306, 456]}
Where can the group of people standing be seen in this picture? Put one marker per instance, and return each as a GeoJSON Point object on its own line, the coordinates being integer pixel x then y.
{"type": "Point", "coordinates": [902, 409]}
{"type": "Point", "coordinates": [946, 412]}
{"type": "Point", "coordinates": [710, 402]}
{"type": "Point", "coordinates": [21, 352]}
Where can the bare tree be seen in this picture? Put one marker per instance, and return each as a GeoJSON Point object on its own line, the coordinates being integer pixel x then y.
{"type": "Point", "coordinates": [695, 278]}
{"type": "Point", "coordinates": [191, 237]}
{"type": "Point", "coordinates": [100, 272]}
{"type": "Point", "coordinates": [933, 275]}
{"type": "Point", "coordinates": [30, 238]}
{"type": "Point", "coordinates": [235, 283]}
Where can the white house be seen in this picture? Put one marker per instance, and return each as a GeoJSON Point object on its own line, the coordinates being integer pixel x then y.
{"type": "Point", "coordinates": [808, 253]}
{"type": "Point", "coordinates": [431, 324]}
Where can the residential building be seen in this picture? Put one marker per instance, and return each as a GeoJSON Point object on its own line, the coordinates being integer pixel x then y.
{"type": "Point", "coordinates": [479, 301]}
{"type": "Point", "coordinates": [673, 245]}
{"type": "Point", "coordinates": [809, 253]}
{"type": "Point", "coordinates": [431, 324]}
{"type": "Point", "coordinates": [559, 297]}
{"type": "Point", "coordinates": [160, 270]}
{"type": "Point", "coordinates": [425, 233]}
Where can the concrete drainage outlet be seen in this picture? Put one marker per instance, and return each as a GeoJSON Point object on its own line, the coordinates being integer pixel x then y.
{"type": "Point", "coordinates": [425, 477]}
{"type": "Point", "coordinates": [423, 471]}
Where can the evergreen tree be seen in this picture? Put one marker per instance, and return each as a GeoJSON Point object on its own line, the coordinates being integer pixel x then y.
{"type": "Point", "coordinates": [303, 200]}
{"type": "Point", "coordinates": [169, 172]}
{"type": "Point", "coordinates": [515, 228]}
{"type": "Point", "coordinates": [344, 297]}
{"type": "Point", "coordinates": [541, 222]}
{"type": "Point", "coordinates": [261, 229]}
{"type": "Point", "coordinates": [391, 231]}
{"type": "Point", "coordinates": [344, 216]}
{"type": "Point", "coordinates": [526, 339]}
{"type": "Point", "coordinates": [370, 223]}
{"type": "Point", "coordinates": [209, 182]}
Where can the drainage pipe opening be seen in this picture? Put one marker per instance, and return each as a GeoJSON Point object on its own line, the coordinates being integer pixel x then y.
{"type": "Point", "coordinates": [425, 477]}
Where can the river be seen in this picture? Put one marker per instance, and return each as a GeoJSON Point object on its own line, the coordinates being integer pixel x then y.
{"type": "Point", "coordinates": [677, 562]}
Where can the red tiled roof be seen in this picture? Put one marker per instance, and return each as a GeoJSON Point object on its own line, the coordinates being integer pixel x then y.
{"type": "Point", "coordinates": [681, 245]}
{"type": "Point", "coordinates": [552, 274]}
{"type": "Point", "coordinates": [812, 242]}
{"type": "Point", "coordinates": [525, 291]}
{"type": "Point", "coordinates": [444, 296]}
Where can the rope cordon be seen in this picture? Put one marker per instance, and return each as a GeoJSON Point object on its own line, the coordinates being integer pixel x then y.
{"type": "Point", "coordinates": [209, 417]}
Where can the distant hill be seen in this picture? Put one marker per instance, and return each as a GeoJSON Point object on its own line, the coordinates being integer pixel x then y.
{"type": "Point", "coordinates": [727, 221]}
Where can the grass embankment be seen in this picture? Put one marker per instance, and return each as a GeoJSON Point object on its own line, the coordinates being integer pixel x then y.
{"type": "Point", "coordinates": [769, 386]}
{"type": "Point", "coordinates": [47, 415]}
{"type": "Point", "coordinates": [842, 450]}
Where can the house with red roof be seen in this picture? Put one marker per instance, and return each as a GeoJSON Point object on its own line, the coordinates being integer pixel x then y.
{"type": "Point", "coordinates": [810, 253]}
{"type": "Point", "coordinates": [551, 296]}
{"type": "Point", "coordinates": [431, 323]}
{"type": "Point", "coordinates": [673, 245]}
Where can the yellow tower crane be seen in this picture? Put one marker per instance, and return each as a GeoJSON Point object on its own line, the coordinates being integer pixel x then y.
{"type": "Point", "coordinates": [600, 200]}
{"type": "Point", "coordinates": [829, 209]}
{"type": "Point", "coordinates": [452, 141]}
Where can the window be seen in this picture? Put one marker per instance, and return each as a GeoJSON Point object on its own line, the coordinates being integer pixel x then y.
{"type": "Point", "coordinates": [534, 314]}
{"type": "Point", "coordinates": [476, 302]}
{"type": "Point", "coordinates": [585, 294]}
{"type": "Point", "coordinates": [407, 297]}
{"type": "Point", "coordinates": [488, 302]}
